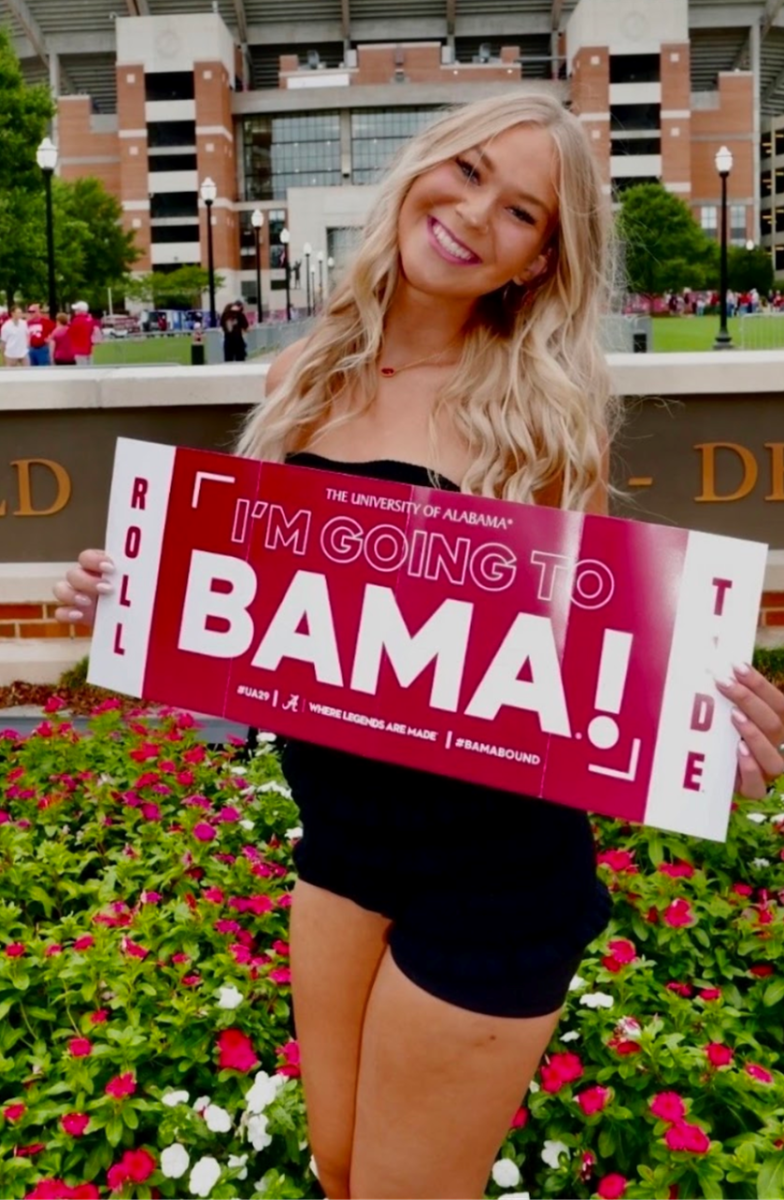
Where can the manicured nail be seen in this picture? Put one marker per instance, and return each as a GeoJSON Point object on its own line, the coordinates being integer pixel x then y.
{"type": "Point", "coordinates": [105, 589]}
{"type": "Point", "coordinates": [740, 717]}
{"type": "Point", "coordinates": [75, 615]}
{"type": "Point", "coordinates": [106, 567]}
{"type": "Point", "coordinates": [743, 748]}
{"type": "Point", "coordinates": [725, 683]}
{"type": "Point", "coordinates": [82, 601]}
{"type": "Point", "coordinates": [741, 669]}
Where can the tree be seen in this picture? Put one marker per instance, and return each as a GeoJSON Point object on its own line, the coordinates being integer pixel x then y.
{"type": "Point", "coordinates": [747, 269]}
{"type": "Point", "coordinates": [92, 250]}
{"type": "Point", "coordinates": [182, 288]}
{"type": "Point", "coordinates": [665, 249]}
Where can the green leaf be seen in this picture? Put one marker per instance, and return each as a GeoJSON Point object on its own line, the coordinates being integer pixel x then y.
{"type": "Point", "coordinates": [606, 1143]}
{"type": "Point", "coordinates": [773, 993]}
{"type": "Point", "coordinates": [130, 1118]}
{"type": "Point", "coordinates": [770, 1181]}
{"type": "Point", "coordinates": [114, 1131]}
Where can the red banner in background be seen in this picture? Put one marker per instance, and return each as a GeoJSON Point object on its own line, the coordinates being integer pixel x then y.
{"type": "Point", "coordinates": [551, 654]}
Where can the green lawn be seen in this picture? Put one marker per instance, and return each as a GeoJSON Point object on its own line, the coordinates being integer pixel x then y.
{"type": "Point", "coordinates": [699, 333]}
{"type": "Point", "coordinates": [117, 352]}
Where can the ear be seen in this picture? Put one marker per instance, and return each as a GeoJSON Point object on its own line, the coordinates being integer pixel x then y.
{"type": "Point", "coordinates": [533, 270]}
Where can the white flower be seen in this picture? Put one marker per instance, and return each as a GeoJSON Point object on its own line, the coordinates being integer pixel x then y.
{"type": "Point", "coordinates": [263, 1091]}
{"type": "Point", "coordinates": [757, 818]}
{"type": "Point", "coordinates": [312, 1167]}
{"type": "Point", "coordinates": [218, 1120]}
{"type": "Point", "coordinates": [200, 1104]}
{"type": "Point", "coordinates": [172, 1099]}
{"type": "Point", "coordinates": [760, 862]}
{"type": "Point", "coordinates": [238, 1160]}
{"type": "Point", "coordinates": [266, 737]}
{"type": "Point", "coordinates": [571, 1036]}
{"type": "Point", "coordinates": [596, 1000]}
{"type": "Point", "coordinates": [577, 983]}
{"type": "Point", "coordinates": [257, 1132]}
{"type": "Point", "coordinates": [629, 1027]}
{"type": "Point", "coordinates": [230, 997]}
{"type": "Point", "coordinates": [174, 1161]}
{"type": "Point", "coordinates": [505, 1173]}
{"type": "Point", "coordinates": [517, 1196]}
{"type": "Point", "coordinates": [295, 832]}
{"type": "Point", "coordinates": [239, 770]}
{"type": "Point", "coordinates": [274, 786]}
{"type": "Point", "coordinates": [552, 1152]}
{"type": "Point", "coordinates": [533, 1086]}
{"type": "Point", "coordinates": [204, 1176]}
{"type": "Point", "coordinates": [246, 824]}
{"type": "Point", "coordinates": [778, 819]}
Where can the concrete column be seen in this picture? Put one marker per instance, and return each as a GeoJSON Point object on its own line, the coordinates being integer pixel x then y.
{"type": "Point", "coordinates": [54, 87]}
{"type": "Point", "coordinates": [754, 56]}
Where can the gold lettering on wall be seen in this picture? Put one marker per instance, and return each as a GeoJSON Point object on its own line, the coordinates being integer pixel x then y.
{"type": "Point", "coordinates": [25, 489]}
{"type": "Point", "coordinates": [776, 470]}
{"type": "Point", "coordinates": [750, 472]}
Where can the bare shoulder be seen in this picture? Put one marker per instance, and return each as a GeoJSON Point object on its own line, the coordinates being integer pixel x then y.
{"type": "Point", "coordinates": [282, 364]}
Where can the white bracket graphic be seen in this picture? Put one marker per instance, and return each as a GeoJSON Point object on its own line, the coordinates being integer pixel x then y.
{"type": "Point", "coordinates": [631, 771]}
{"type": "Point", "coordinates": [202, 476]}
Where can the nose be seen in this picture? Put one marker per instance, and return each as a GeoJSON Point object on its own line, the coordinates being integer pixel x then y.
{"type": "Point", "coordinates": [473, 211]}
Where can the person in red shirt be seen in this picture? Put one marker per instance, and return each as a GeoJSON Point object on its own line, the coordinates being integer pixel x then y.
{"type": "Point", "coordinates": [39, 328]}
{"type": "Point", "coordinates": [82, 334]}
{"type": "Point", "coordinates": [60, 342]}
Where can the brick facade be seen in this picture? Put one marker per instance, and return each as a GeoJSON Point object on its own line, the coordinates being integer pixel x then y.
{"type": "Point", "coordinates": [82, 149]}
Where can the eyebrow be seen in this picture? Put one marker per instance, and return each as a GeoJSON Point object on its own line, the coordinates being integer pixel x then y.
{"type": "Point", "coordinates": [485, 158]}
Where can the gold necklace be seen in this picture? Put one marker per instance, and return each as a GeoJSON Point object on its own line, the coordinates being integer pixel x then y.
{"type": "Point", "coordinates": [390, 372]}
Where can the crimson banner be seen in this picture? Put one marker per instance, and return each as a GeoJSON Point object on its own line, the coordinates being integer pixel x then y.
{"type": "Point", "coordinates": [550, 654]}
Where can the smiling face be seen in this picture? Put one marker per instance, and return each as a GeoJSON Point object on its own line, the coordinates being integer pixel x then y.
{"type": "Point", "coordinates": [474, 222]}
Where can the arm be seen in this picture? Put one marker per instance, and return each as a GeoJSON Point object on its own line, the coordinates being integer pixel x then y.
{"type": "Point", "coordinates": [597, 502]}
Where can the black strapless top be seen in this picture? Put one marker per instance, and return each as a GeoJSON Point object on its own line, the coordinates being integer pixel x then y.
{"type": "Point", "coordinates": [429, 825]}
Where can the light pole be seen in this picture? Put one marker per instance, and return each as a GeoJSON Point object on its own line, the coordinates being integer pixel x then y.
{"type": "Point", "coordinates": [320, 259]}
{"type": "Point", "coordinates": [46, 157]}
{"type": "Point", "coordinates": [723, 162]}
{"type": "Point", "coordinates": [285, 238]}
{"type": "Point", "coordinates": [307, 250]}
{"type": "Point", "coordinates": [208, 193]}
{"type": "Point", "coordinates": [330, 268]}
{"type": "Point", "coordinates": [257, 221]}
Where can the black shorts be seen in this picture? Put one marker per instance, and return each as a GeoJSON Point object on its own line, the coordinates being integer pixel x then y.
{"type": "Point", "coordinates": [493, 898]}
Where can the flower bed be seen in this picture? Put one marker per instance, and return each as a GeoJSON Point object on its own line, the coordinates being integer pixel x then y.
{"type": "Point", "coordinates": [146, 1044]}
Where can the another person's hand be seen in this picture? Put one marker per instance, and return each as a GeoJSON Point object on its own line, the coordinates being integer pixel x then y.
{"type": "Point", "coordinates": [759, 718]}
{"type": "Point", "coordinates": [78, 593]}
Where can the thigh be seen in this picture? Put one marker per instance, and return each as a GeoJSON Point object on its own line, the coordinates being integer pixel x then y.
{"type": "Point", "coordinates": [336, 947]}
{"type": "Point", "coordinates": [438, 1086]}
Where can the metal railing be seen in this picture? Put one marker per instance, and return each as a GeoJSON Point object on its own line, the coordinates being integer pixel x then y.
{"type": "Point", "coordinates": [762, 330]}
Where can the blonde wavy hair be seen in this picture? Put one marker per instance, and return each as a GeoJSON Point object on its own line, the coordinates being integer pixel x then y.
{"type": "Point", "coordinates": [531, 394]}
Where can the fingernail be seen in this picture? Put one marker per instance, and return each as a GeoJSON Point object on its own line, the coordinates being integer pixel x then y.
{"type": "Point", "coordinates": [106, 567]}
{"type": "Point", "coordinates": [741, 669]}
{"type": "Point", "coordinates": [82, 601]}
{"type": "Point", "coordinates": [740, 717]}
{"type": "Point", "coordinates": [105, 589]}
{"type": "Point", "coordinates": [743, 748]}
{"type": "Point", "coordinates": [725, 683]}
{"type": "Point", "coordinates": [75, 615]}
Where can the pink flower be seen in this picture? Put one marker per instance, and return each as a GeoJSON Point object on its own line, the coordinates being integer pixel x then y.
{"type": "Point", "coordinates": [758, 1073]}
{"type": "Point", "coordinates": [710, 994]}
{"type": "Point", "coordinates": [611, 1187]}
{"type": "Point", "coordinates": [80, 1047]}
{"type": "Point", "coordinates": [204, 832]}
{"type": "Point", "coordinates": [150, 811]}
{"type": "Point", "coordinates": [84, 1191]}
{"type": "Point", "coordinates": [186, 778]}
{"type": "Point", "coordinates": [290, 1055]}
{"type": "Point", "coordinates": [180, 958]}
{"type": "Point", "coordinates": [689, 1138]}
{"type": "Point", "coordinates": [593, 1099]}
{"type": "Point", "coordinates": [146, 751]}
{"type": "Point", "coordinates": [683, 989]}
{"type": "Point", "coordinates": [54, 704]}
{"type": "Point", "coordinates": [623, 1046]}
{"type": "Point", "coordinates": [742, 889]}
{"type": "Point", "coordinates": [520, 1119]}
{"type": "Point", "coordinates": [29, 1151]}
{"type": "Point", "coordinates": [196, 755]}
{"type": "Point", "coordinates": [617, 860]}
{"type": "Point", "coordinates": [280, 975]}
{"type": "Point", "coordinates": [761, 970]}
{"type": "Point", "coordinates": [587, 1164]}
{"type": "Point", "coordinates": [678, 914]}
{"type": "Point", "coordinates": [15, 949]}
{"type": "Point", "coordinates": [668, 1106]}
{"type": "Point", "coordinates": [132, 948]}
{"type": "Point", "coordinates": [50, 1189]}
{"type": "Point", "coordinates": [718, 1054]}
{"type": "Point", "coordinates": [53, 949]}
{"type": "Point", "coordinates": [281, 948]}
{"type": "Point", "coordinates": [224, 925]}
{"type": "Point", "coordinates": [151, 897]}
{"type": "Point", "coordinates": [121, 1085]}
{"type": "Point", "coordinates": [75, 1124]}
{"type": "Point", "coordinates": [622, 952]}
{"type": "Point", "coordinates": [235, 1051]}
{"type": "Point", "coordinates": [99, 1016]}
{"type": "Point", "coordinates": [85, 942]}
{"type": "Point", "coordinates": [676, 870]}
{"type": "Point", "coordinates": [214, 895]}
{"type": "Point", "coordinates": [559, 1070]}
{"type": "Point", "coordinates": [13, 1112]}
{"type": "Point", "coordinates": [190, 980]}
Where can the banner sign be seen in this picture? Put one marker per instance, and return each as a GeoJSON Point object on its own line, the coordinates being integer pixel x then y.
{"type": "Point", "coordinates": [550, 654]}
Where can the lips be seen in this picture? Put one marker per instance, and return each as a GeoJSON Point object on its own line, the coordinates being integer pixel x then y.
{"type": "Point", "coordinates": [434, 227]}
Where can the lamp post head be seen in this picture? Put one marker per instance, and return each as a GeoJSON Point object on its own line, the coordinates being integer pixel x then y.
{"type": "Point", "coordinates": [320, 256]}
{"type": "Point", "coordinates": [257, 219]}
{"type": "Point", "coordinates": [46, 155]}
{"type": "Point", "coordinates": [750, 245]}
{"type": "Point", "coordinates": [723, 160]}
{"type": "Point", "coordinates": [307, 249]}
{"type": "Point", "coordinates": [285, 236]}
{"type": "Point", "coordinates": [330, 262]}
{"type": "Point", "coordinates": [208, 191]}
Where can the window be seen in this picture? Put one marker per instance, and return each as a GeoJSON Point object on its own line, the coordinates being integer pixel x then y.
{"type": "Point", "coordinates": [766, 184]}
{"type": "Point", "coordinates": [779, 182]}
{"type": "Point", "coordinates": [766, 145]}
{"type": "Point", "coordinates": [779, 259]}
{"type": "Point", "coordinates": [644, 145]}
{"type": "Point", "coordinates": [172, 162]}
{"type": "Point", "coordinates": [635, 116]}
{"type": "Point", "coordinates": [376, 135]}
{"type": "Point", "coordinates": [168, 85]}
{"type": "Point", "coordinates": [173, 204]}
{"type": "Point", "coordinates": [738, 224]}
{"type": "Point", "coordinates": [780, 220]}
{"type": "Point", "coordinates": [290, 151]}
{"type": "Point", "coordinates": [709, 219]}
{"type": "Point", "coordinates": [635, 68]}
{"type": "Point", "coordinates": [174, 233]}
{"type": "Point", "coordinates": [171, 133]}
{"type": "Point", "coordinates": [779, 141]}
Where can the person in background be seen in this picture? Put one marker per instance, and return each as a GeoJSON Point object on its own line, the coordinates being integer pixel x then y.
{"type": "Point", "coordinates": [15, 340]}
{"type": "Point", "coordinates": [39, 326]}
{"type": "Point", "coordinates": [61, 343]}
{"type": "Point", "coordinates": [82, 330]}
{"type": "Point", "coordinates": [234, 323]}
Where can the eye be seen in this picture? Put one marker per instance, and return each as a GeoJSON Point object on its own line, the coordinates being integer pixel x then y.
{"type": "Point", "coordinates": [466, 169]}
{"type": "Point", "coordinates": [522, 214]}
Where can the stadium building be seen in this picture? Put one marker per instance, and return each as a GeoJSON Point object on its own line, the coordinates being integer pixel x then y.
{"type": "Point", "coordinates": [293, 106]}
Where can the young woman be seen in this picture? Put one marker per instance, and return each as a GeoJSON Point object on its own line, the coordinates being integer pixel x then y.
{"type": "Point", "coordinates": [436, 925]}
{"type": "Point", "coordinates": [234, 324]}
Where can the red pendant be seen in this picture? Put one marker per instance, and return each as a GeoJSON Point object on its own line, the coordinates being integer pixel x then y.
{"type": "Point", "coordinates": [387, 372]}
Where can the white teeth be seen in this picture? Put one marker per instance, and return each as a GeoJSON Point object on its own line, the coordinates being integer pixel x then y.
{"type": "Point", "coordinates": [443, 239]}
